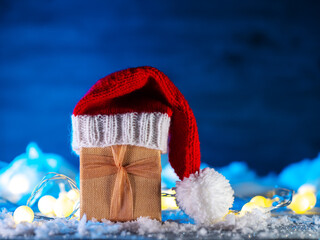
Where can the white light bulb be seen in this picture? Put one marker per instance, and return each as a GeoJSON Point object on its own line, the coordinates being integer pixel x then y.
{"type": "Point", "coordinates": [73, 195]}
{"type": "Point", "coordinates": [63, 207]}
{"type": "Point", "coordinates": [307, 188]}
{"type": "Point", "coordinates": [23, 214]}
{"type": "Point", "coordinates": [46, 205]}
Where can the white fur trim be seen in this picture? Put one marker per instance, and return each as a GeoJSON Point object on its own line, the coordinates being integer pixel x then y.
{"type": "Point", "coordinates": [148, 130]}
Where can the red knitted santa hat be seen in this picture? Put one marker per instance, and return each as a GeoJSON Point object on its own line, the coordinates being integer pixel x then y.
{"type": "Point", "coordinates": [139, 106]}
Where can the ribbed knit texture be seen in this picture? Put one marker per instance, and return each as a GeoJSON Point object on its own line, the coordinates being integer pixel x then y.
{"type": "Point", "coordinates": [148, 130]}
{"type": "Point", "coordinates": [146, 89]}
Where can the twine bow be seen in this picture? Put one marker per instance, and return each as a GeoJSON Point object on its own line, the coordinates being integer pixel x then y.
{"type": "Point", "coordinates": [98, 165]}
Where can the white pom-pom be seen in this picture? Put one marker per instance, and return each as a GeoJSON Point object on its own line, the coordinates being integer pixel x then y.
{"type": "Point", "coordinates": [206, 196]}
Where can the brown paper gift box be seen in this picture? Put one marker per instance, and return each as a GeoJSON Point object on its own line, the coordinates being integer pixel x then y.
{"type": "Point", "coordinates": [120, 183]}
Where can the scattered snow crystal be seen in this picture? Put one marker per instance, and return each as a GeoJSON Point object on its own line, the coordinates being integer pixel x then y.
{"type": "Point", "coordinates": [255, 224]}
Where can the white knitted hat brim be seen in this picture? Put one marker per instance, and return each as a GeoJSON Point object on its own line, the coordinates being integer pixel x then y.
{"type": "Point", "coordinates": [148, 130]}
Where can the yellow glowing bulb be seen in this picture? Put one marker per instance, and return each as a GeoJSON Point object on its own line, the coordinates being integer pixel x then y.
{"type": "Point", "coordinates": [300, 204]}
{"type": "Point", "coordinates": [248, 207]}
{"type": "Point", "coordinates": [307, 188]}
{"type": "Point", "coordinates": [46, 205]}
{"type": "Point", "coordinates": [63, 207]}
{"type": "Point", "coordinates": [261, 201]}
{"type": "Point", "coordinates": [23, 214]}
{"type": "Point", "coordinates": [312, 199]}
{"type": "Point", "coordinates": [269, 202]}
{"type": "Point", "coordinates": [73, 195]}
{"type": "Point", "coordinates": [63, 194]}
{"type": "Point", "coordinates": [168, 202]}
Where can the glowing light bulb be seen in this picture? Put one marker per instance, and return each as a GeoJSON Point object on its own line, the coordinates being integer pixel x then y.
{"type": "Point", "coordinates": [168, 202]}
{"type": "Point", "coordinates": [307, 188]}
{"type": "Point", "coordinates": [23, 214]}
{"type": "Point", "coordinates": [308, 191]}
{"type": "Point", "coordinates": [63, 207]}
{"type": "Point", "coordinates": [300, 204]}
{"type": "Point", "coordinates": [248, 207]}
{"type": "Point", "coordinates": [312, 199]}
{"type": "Point", "coordinates": [269, 202]}
{"type": "Point", "coordinates": [73, 195]}
{"type": "Point", "coordinates": [261, 201]}
{"type": "Point", "coordinates": [46, 205]}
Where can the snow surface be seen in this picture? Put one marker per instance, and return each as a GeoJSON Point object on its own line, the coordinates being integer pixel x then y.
{"type": "Point", "coordinates": [253, 225]}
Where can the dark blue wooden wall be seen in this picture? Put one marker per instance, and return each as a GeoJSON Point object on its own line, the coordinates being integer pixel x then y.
{"type": "Point", "coordinates": [249, 69]}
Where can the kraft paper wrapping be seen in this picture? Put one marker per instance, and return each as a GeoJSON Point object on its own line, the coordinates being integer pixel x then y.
{"type": "Point", "coordinates": [120, 183]}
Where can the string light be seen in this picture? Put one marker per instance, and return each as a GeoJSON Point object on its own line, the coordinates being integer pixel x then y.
{"type": "Point", "coordinates": [304, 200]}
{"type": "Point", "coordinates": [23, 214]}
{"type": "Point", "coordinates": [73, 195]}
{"type": "Point", "coordinates": [76, 209]}
{"type": "Point", "coordinates": [300, 204]}
{"type": "Point", "coordinates": [312, 199]}
{"type": "Point", "coordinates": [281, 197]}
{"type": "Point", "coordinates": [168, 200]}
{"type": "Point", "coordinates": [306, 188]}
{"type": "Point", "coordinates": [45, 180]}
{"type": "Point", "coordinates": [67, 205]}
{"type": "Point", "coordinates": [257, 202]}
{"type": "Point", "coordinates": [63, 206]}
{"type": "Point", "coordinates": [261, 201]}
{"type": "Point", "coordinates": [46, 205]}
{"type": "Point", "coordinates": [308, 191]}
{"type": "Point", "coordinates": [248, 207]}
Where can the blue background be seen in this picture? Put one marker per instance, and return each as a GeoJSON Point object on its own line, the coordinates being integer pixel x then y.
{"type": "Point", "coordinates": [249, 69]}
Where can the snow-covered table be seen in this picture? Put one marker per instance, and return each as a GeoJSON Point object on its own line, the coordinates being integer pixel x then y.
{"type": "Point", "coordinates": [255, 225]}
